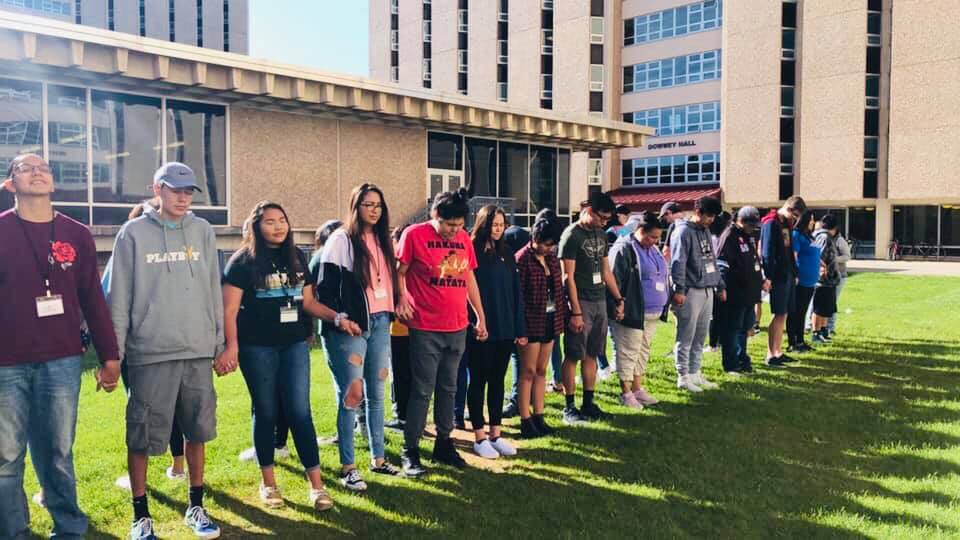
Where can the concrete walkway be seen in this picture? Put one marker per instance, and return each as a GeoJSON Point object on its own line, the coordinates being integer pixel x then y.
{"type": "Point", "coordinates": [909, 268]}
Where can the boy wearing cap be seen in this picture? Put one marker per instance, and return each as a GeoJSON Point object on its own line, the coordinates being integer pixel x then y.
{"type": "Point", "coordinates": [695, 278]}
{"type": "Point", "coordinates": [165, 301]}
{"type": "Point", "coordinates": [49, 285]}
{"type": "Point", "coordinates": [739, 264]}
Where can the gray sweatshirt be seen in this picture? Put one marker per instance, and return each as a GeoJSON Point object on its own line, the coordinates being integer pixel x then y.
{"type": "Point", "coordinates": [693, 262]}
{"type": "Point", "coordinates": [163, 288]}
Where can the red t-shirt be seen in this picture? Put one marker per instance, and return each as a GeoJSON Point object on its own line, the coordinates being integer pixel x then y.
{"type": "Point", "coordinates": [436, 279]}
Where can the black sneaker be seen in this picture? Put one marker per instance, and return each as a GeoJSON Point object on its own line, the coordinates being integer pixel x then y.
{"type": "Point", "coordinates": [511, 410]}
{"type": "Point", "coordinates": [787, 359]}
{"type": "Point", "coordinates": [592, 412]}
{"type": "Point", "coordinates": [756, 328]}
{"type": "Point", "coordinates": [542, 426]}
{"type": "Point", "coordinates": [410, 462]}
{"type": "Point", "coordinates": [572, 416]}
{"type": "Point", "coordinates": [395, 424]}
{"type": "Point", "coordinates": [775, 362]}
{"type": "Point", "coordinates": [746, 367]}
{"type": "Point", "coordinates": [445, 452]}
{"type": "Point", "coordinates": [384, 468]}
{"type": "Point", "coordinates": [528, 430]}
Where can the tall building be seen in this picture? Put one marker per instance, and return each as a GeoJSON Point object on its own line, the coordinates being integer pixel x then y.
{"type": "Point", "coordinates": [213, 24]}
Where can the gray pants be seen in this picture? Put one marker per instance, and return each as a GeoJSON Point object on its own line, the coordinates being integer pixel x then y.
{"type": "Point", "coordinates": [434, 360]}
{"type": "Point", "coordinates": [693, 325]}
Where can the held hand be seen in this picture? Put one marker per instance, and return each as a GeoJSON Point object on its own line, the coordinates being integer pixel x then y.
{"type": "Point", "coordinates": [766, 285]}
{"type": "Point", "coordinates": [107, 376]}
{"type": "Point", "coordinates": [576, 324]}
{"type": "Point", "coordinates": [227, 361]}
{"type": "Point", "coordinates": [723, 296]}
{"type": "Point", "coordinates": [619, 312]}
{"type": "Point", "coordinates": [522, 341]}
{"type": "Point", "coordinates": [679, 299]}
{"type": "Point", "coordinates": [405, 308]}
{"type": "Point", "coordinates": [481, 331]}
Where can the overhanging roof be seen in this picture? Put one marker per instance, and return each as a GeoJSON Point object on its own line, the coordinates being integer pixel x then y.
{"type": "Point", "coordinates": [92, 56]}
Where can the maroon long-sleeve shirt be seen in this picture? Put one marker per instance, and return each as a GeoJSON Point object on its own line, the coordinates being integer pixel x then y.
{"type": "Point", "coordinates": [26, 338]}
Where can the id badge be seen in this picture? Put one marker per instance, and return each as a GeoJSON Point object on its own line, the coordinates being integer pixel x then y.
{"type": "Point", "coordinates": [551, 306]}
{"type": "Point", "coordinates": [756, 267]}
{"type": "Point", "coordinates": [661, 286]}
{"type": "Point", "coordinates": [710, 268]}
{"type": "Point", "coordinates": [380, 293]}
{"type": "Point", "coordinates": [289, 314]}
{"type": "Point", "coordinates": [744, 248]}
{"type": "Point", "coordinates": [597, 278]}
{"type": "Point", "coordinates": [49, 306]}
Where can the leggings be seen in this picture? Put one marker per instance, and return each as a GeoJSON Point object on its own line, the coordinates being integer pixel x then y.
{"type": "Point", "coordinates": [796, 317]}
{"type": "Point", "coordinates": [487, 362]}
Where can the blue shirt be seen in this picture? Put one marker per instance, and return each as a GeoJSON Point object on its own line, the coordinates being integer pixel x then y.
{"type": "Point", "coordinates": [808, 259]}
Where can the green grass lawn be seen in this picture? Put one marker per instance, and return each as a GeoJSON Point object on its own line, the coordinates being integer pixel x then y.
{"type": "Point", "coordinates": [860, 439]}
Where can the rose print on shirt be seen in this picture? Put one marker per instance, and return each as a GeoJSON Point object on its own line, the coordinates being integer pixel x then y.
{"type": "Point", "coordinates": [63, 254]}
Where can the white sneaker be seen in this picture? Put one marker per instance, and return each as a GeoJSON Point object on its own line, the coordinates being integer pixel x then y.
{"type": "Point", "coordinates": [503, 447]}
{"type": "Point", "coordinates": [250, 454]}
{"type": "Point", "coordinates": [686, 382]}
{"type": "Point", "coordinates": [271, 496]}
{"type": "Point", "coordinates": [485, 450]}
{"type": "Point", "coordinates": [603, 374]}
{"type": "Point", "coordinates": [176, 475]}
{"type": "Point", "coordinates": [123, 482]}
{"type": "Point", "coordinates": [39, 500]}
{"type": "Point", "coordinates": [283, 452]}
{"type": "Point", "coordinates": [702, 382]}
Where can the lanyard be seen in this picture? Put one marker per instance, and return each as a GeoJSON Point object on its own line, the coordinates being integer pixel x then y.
{"type": "Point", "coordinates": [378, 261]}
{"type": "Point", "coordinates": [43, 270]}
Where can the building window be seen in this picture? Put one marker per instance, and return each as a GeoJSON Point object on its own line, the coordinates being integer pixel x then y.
{"type": "Point", "coordinates": [679, 169]}
{"type": "Point", "coordinates": [427, 70]}
{"type": "Point", "coordinates": [668, 72]}
{"type": "Point", "coordinates": [461, 61]}
{"type": "Point", "coordinates": [873, 91]}
{"type": "Point", "coordinates": [394, 7]}
{"type": "Point", "coordinates": [501, 51]}
{"type": "Point", "coordinates": [172, 19]}
{"type": "Point", "coordinates": [462, 20]}
{"type": "Point", "coordinates": [680, 120]}
{"type": "Point", "coordinates": [502, 91]}
{"type": "Point", "coordinates": [594, 171]}
{"type": "Point", "coordinates": [546, 86]}
{"type": "Point", "coordinates": [199, 23]}
{"type": "Point", "coordinates": [110, 16]}
{"type": "Point", "coordinates": [77, 12]}
{"type": "Point", "coordinates": [67, 141]}
{"type": "Point", "coordinates": [394, 40]}
{"type": "Point", "coordinates": [786, 101]}
{"type": "Point", "coordinates": [546, 54]}
{"type": "Point", "coordinates": [503, 13]}
{"type": "Point", "coordinates": [427, 38]}
{"type": "Point", "coordinates": [788, 44]}
{"type": "Point", "coordinates": [196, 136]}
{"type": "Point", "coordinates": [20, 133]}
{"type": "Point", "coordinates": [546, 41]}
{"type": "Point", "coordinates": [596, 29]}
{"type": "Point", "coordinates": [679, 21]}
{"type": "Point", "coordinates": [226, 25]}
{"type": "Point", "coordinates": [143, 18]}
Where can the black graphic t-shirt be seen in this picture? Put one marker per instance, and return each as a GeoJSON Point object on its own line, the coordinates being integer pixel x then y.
{"type": "Point", "coordinates": [587, 248]}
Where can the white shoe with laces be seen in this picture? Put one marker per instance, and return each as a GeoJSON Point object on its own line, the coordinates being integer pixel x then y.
{"type": "Point", "coordinates": [250, 454]}
{"type": "Point", "coordinates": [686, 382]}
{"type": "Point", "coordinates": [702, 382]}
{"type": "Point", "coordinates": [503, 447]}
{"type": "Point", "coordinates": [485, 450]}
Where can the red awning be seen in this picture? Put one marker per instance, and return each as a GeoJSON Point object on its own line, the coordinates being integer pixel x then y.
{"type": "Point", "coordinates": [639, 199]}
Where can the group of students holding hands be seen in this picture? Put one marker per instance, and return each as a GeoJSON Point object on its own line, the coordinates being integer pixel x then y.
{"type": "Point", "coordinates": [413, 301]}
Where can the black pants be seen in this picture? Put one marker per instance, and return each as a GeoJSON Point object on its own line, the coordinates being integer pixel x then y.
{"type": "Point", "coordinates": [733, 323]}
{"type": "Point", "coordinates": [487, 362]}
{"type": "Point", "coordinates": [715, 325]}
{"type": "Point", "coordinates": [400, 364]}
{"type": "Point", "coordinates": [795, 319]}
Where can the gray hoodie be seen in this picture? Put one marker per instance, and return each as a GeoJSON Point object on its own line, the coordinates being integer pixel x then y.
{"type": "Point", "coordinates": [163, 288]}
{"type": "Point", "coordinates": [693, 262]}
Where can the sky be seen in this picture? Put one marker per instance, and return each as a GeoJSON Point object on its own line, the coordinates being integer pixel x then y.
{"type": "Point", "coordinates": [325, 34]}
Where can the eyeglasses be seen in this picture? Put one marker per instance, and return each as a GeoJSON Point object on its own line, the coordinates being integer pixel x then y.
{"type": "Point", "coordinates": [372, 205]}
{"type": "Point", "coordinates": [42, 169]}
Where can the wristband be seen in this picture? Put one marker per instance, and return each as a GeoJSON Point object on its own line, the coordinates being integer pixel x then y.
{"type": "Point", "coordinates": [619, 301]}
{"type": "Point", "coordinates": [576, 314]}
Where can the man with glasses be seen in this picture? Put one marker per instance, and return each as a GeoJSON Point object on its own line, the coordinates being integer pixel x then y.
{"type": "Point", "coordinates": [780, 267]}
{"type": "Point", "coordinates": [49, 285]}
{"type": "Point", "coordinates": [583, 253]}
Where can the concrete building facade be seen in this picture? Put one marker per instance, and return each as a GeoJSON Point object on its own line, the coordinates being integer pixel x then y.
{"type": "Point", "coordinates": [106, 109]}
{"type": "Point", "coordinates": [214, 24]}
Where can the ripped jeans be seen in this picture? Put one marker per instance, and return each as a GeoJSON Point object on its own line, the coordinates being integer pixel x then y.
{"type": "Point", "coordinates": [360, 365]}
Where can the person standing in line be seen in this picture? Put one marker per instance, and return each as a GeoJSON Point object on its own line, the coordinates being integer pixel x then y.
{"type": "Point", "coordinates": [843, 256]}
{"type": "Point", "coordinates": [670, 214]}
{"type": "Point", "coordinates": [544, 310]}
{"type": "Point", "coordinates": [399, 358]}
{"type": "Point", "coordinates": [716, 229]}
{"type": "Point", "coordinates": [780, 267]}
{"type": "Point", "coordinates": [268, 308]}
{"type": "Point", "coordinates": [808, 271]}
{"type": "Point", "coordinates": [515, 237]}
{"type": "Point", "coordinates": [739, 263]}
{"type": "Point", "coordinates": [642, 277]}
{"type": "Point", "coordinates": [825, 294]}
{"type": "Point", "coordinates": [583, 251]}
{"type": "Point", "coordinates": [167, 310]}
{"type": "Point", "coordinates": [49, 285]}
{"type": "Point", "coordinates": [359, 276]}
{"type": "Point", "coordinates": [487, 360]}
{"type": "Point", "coordinates": [695, 280]}
{"type": "Point", "coordinates": [436, 264]}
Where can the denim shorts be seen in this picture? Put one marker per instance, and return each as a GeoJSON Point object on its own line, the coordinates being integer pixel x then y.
{"type": "Point", "coordinates": [783, 296]}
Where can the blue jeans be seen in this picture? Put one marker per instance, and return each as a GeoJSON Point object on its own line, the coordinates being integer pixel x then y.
{"type": "Point", "coordinates": [279, 377]}
{"type": "Point", "coordinates": [556, 361]}
{"type": "Point", "coordinates": [370, 353]}
{"type": "Point", "coordinates": [38, 408]}
{"type": "Point", "coordinates": [733, 323]}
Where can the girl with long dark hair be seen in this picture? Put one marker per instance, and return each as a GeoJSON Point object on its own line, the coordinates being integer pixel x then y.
{"type": "Point", "coordinates": [487, 361]}
{"type": "Point", "coordinates": [808, 272]}
{"type": "Point", "coordinates": [268, 302]}
{"type": "Point", "coordinates": [359, 273]}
